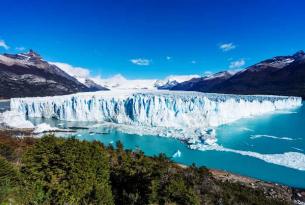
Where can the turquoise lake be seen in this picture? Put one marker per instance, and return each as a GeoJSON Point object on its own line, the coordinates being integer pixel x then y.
{"type": "Point", "coordinates": [275, 133]}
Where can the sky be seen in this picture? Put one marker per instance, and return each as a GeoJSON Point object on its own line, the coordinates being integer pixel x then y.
{"type": "Point", "coordinates": [153, 38]}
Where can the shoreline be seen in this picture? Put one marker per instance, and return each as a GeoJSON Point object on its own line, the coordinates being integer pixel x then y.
{"type": "Point", "coordinates": [270, 189]}
{"type": "Point", "coordinates": [222, 174]}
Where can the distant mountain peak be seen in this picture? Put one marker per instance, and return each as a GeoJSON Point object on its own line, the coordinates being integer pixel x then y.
{"type": "Point", "coordinates": [32, 54]}
{"type": "Point", "coordinates": [299, 55]}
{"type": "Point", "coordinates": [29, 57]}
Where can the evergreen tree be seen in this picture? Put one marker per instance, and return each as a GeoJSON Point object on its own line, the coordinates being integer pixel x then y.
{"type": "Point", "coordinates": [68, 171]}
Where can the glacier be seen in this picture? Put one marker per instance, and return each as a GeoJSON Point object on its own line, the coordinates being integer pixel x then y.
{"type": "Point", "coordinates": [187, 116]}
{"type": "Point", "coordinates": [180, 114]}
{"type": "Point", "coordinates": [13, 119]}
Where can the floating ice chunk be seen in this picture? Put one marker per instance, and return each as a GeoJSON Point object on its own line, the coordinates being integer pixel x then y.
{"type": "Point", "coordinates": [271, 136]}
{"type": "Point", "coordinates": [177, 154]}
{"type": "Point", "coordinates": [294, 160]}
{"type": "Point", "coordinates": [44, 127]}
{"type": "Point", "coordinates": [298, 149]}
{"type": "Point", "coordinates": [246, 129]}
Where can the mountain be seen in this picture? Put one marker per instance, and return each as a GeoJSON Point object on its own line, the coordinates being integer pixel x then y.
{"type": "Point", "coordinates": [204, 84]}
{"type": "Point", "coordinates": [91, 85]}
{"type": "Point", "coordinates": [281, 75]}
{"type": "Point", "coordinates": [173, 80]}
{"type": "Point", "coordinates": [28, 75]}
{"type": "Point", "coordinates": [119, 82]}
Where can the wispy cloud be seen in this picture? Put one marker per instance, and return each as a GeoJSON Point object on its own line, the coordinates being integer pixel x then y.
{"type": "Point", "coordinates": [21, 48]}
{"type": "Point", "coordinates": [4, 45]}
{"type": "Point", "coordinates": [193, 62]}
{"type": "Point", "coordinates": [140, 61]}
{"type": "Point", "coordinates": [77, 72]}
{"type": "Point", "coordinates": [227, 46]}
{"type": "Point", "coordinates": [168, 58]}
{"type": "Point", "coordinates": [118, 81]}
{"type": "Point", "coordinates": [237, 64]}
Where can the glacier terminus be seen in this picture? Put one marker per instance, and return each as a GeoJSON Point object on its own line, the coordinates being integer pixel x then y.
{"type": "Point", "coordinates": [188, 116]}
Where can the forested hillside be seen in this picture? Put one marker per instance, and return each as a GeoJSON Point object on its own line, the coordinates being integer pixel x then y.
{"type": "Point", "coordinates": [55, 170]}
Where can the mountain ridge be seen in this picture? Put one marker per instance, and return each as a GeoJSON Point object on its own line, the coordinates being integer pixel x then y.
{"type": "Point", "coordinates": [280, 75]}
{"type": "Point", "coordinates": [29, 75]}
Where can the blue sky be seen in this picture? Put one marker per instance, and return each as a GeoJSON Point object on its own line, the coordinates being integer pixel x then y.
{"type": "Point", "coordinates": [154, 38]}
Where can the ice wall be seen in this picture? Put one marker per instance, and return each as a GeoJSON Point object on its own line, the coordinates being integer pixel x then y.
{"type": "Point", "coordinates": [157, 108]}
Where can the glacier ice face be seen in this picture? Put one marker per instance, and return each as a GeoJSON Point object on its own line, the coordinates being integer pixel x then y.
{"type": "Point", "coordinates": [13, 119]}
{"type": "Point", "coordinates": [169, 112]}
{"type": "Point", "coordinates": [188, 116]}
{"type": "Point", "coordinates": [152, 108]}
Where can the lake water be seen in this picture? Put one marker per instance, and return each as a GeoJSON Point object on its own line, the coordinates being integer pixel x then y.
{"type": "Point", "coordinates": [268, 134]}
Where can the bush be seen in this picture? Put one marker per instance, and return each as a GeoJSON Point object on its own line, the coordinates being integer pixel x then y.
{"type": "Point", "coordinates": [67, 171]}
{"type": "Point", "coordinates": [8, 179]}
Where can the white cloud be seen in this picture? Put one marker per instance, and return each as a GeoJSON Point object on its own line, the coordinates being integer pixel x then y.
{"type": "Point", "coordinates": [237, 64]}
{"type": "Point", "coordinates": [141, 61]}
{"type": "Point", "coordinates": [4, 45]}
{"type": "Point", "coordinates": [207, 73]}
{"type": "Point", "coordinates": [77, 72]}
{"type": "Point", "coordinates": [193, 62]}
{"type": "Point", "coordinates": [21, 48]}
{"type": "Point", "coordinates": [168, 58]}
{"type": "Point", "coordinates": [227, 46]}
{"type": "Point", "coordinates": [118, 81]}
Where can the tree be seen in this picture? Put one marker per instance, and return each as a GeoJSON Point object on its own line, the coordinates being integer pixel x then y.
{"type": "Point", "coordinates": [68, 171]}
{"type": "Point", "coordinates": [8, 179]}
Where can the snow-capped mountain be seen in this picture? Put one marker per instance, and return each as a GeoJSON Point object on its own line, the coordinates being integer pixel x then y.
{"type": "Point", "coordinates": [203, 84]}
{"type": "Point", "coordinates": [173, 80]}
{"type": "Point", "coordinates": [281, 75]}
{"type": "Point", "coordinates": [119, 82]}
{"type": "Point", "coordinates": [91, 84]}
{"type": "Point", "coordinates": [28, 74]}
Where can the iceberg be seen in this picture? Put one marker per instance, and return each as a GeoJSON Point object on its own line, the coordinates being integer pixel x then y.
{"type": "Point", "coordinates": [43, 127]}
{"type": "Point", "coordinates": [189, 116]}
{"type": "Point", "coordinates": [177, 154]}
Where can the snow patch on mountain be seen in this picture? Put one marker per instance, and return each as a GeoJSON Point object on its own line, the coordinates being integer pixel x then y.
{"type": "Point", "coordinates": [173, 80]}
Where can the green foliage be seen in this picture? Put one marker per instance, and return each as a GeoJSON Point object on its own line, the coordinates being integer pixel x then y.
{"type": "Point", "coordinates": [7, 152]}
{"type": "Point", "coordinates": [137, 179]}
{"type": "Point", "coordinates": [8, 179]}
{"type": "Point", "coordinates": [176, 190]}
{"type": "Point", "coordinates": [67, 171]}
{"type": "Point", "coordinates": [131, 176]}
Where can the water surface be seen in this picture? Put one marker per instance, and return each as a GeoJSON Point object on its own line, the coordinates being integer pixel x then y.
{"type": "Point", "coordinates": [268, 134]}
